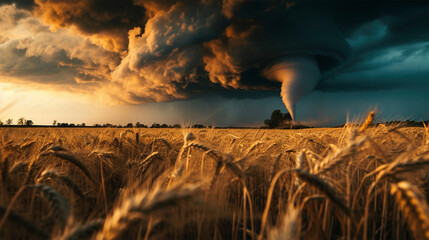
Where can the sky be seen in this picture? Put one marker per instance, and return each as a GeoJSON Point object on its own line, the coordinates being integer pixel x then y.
{"type": "Point", "coordinates": [212, 62]}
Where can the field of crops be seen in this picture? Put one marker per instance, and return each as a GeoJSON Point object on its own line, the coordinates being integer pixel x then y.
{"type": "Point", "coordinates": [104, 183]}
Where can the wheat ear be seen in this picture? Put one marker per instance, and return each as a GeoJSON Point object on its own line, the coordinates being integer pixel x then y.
{"type": "Point", "coordinates": [134, 208]}
{"type": "Point", "coordinates": [18, 166]}
{"type": "Point", "coordinates": [72, 159]}
{"type": "Point", "coordinates": [83, 231]}
{"type": "Point", "coordinates": [147, 162]}
{"type": "Point", "coordinates": [367, 122]}
{"type": "Point", "coordinates": [59, 204]}
{"type": "Point", "coordinates": [325, 188]}
{"type": "Point", "coordinates": [290, 227]}
{"type": "Point", "coordinates": [413, 206]}
{"type": "Point", "coordinates": [26, 145]}
{"type": "Point", "coordinates": [12, 216]}
{"type": "Point", "coordinates": [54, 174]}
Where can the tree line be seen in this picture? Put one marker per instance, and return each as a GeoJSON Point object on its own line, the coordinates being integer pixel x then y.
{"type": "Point", "coordinates": [20, 122]}
{"type": "Point", "coordinates": [24, 122]}
{"type": "Point", "coordinates": [277, 120]}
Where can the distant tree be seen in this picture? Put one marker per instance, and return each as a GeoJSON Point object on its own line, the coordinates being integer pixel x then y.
{"type": "Point", "coordinates": [108, 125]}
{"type": "Point", "coordinates": [287, 117]}
{"type": "Point", "coordinates": [1, 123]}
{"type": "Point", "coordinates": [198, 126]}
{"type": "Point", "coordinates": [29, 122]}
{"type": "Point", "coordinates": [97, 125]}
{"type": "Point", "coordinates": [155, 125]}
{"type": "Point", "coordinates": [276, 116]}
{"type": "Point", "coordinates": [72, 125]}
{"type": "Point", "coordinates": [54, 123]}
{"type": "Point", "coordinates": [277, 119]}
{"type": "Point", "coordinates": [176, 126]}
{"type": "Point", "coordinates": [21, 121]}
{"type": "Point", "coordinates": [9, 121]}
{"type": "Point", "coordinates": [140, 125]}
{"type": "Point", "coordinates": [129, 125]}
{"type": "Point", "coordinates": [63, 124]}
{"type": "Point", "coordinates": [83, 124]}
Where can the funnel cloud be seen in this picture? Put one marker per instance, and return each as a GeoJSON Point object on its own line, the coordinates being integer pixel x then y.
{"type": "Point", "coordinates": [298, 74]}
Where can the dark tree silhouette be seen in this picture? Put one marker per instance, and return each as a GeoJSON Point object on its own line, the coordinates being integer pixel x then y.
{"type": "Point", "coordinates": [29, 122]}
{"type": "Point", "coordinates": [21, 121]}
{"type": "Point", "coordinates": [278, 119]}
{"type": "Point", "coordinates": [140, 125]}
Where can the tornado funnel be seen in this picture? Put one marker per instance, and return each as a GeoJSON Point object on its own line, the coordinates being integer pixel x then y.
{"type": "Point", "coordinates": [304, 52]}
{"type": "Point", "coordinates": [299, 75]}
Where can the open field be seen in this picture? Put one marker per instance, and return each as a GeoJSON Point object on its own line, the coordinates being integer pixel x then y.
{"type": "Point", "coordinates": [333, 183]}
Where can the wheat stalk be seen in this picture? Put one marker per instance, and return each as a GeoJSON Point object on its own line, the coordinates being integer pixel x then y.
{"type": "Point", "coordinates": [4, 165]}
{"type": "Point", "coordinates": [18, 166]}
{"type": "Point", "coordinates": [83, 231]}
{"type": "Point", "coordinates": [134, 208]}
{"type": "Point", "coordinates": [26, 145]}
{"type": "Point", "coordinates": [60, 206]}
{"type": "Point", "coordinates": [160, 139]}
{"type": "Point", "coordinates": [147, 162]}
{"type": "Point", "coordinates": [54, 174]}
{"type": "Point", "coordinates": [252, 147]}
{"type": "Point", "coordinates": [413, 206]}
{"type": "Point", "coordinates": [12, 216]}
{"type": "Point", "coordinates": [337, 158]}
{"type": "Point", "coordinates": [70, 158]}
{"type": "Point", "coordinates": [290, 228]}
{"type": "Point", "coordinates": [367, 122]}
{"type": "Point", "coordinates": [325, 188]}
{"type": "Point", "coordinates": [403, 163]}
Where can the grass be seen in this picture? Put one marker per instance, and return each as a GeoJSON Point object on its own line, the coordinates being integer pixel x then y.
{"type": "Point", "coordinates": [356, 182]}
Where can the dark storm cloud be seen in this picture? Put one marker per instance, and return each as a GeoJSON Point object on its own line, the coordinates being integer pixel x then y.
{"type": "Point", "coordinates": [391, 51]}
{"type": "Point", "coordinates": [108, 21]}
{"type": "Point", "coordinates": [144, 51]}
{"type": "Point", "coordinates": [24, 4]}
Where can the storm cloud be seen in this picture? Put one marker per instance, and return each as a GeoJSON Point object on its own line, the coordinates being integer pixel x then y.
{"type": "Point", "coordinates": [133, 52]}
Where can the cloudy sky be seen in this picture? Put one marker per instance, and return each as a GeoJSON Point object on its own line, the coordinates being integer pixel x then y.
{"type": "Point", "coordinates": [226, 63]}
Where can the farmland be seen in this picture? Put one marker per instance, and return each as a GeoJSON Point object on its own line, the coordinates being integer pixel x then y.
{"type": "Point", "coordinates": [356, 182]}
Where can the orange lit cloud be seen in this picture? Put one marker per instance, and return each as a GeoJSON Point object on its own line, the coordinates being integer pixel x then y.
{"type": "Point", "coordinates": [163, 60]}
{"type": "Point", "coordinates": [34, 53]}
{"type": "Point", "coordinates": [106, 24]}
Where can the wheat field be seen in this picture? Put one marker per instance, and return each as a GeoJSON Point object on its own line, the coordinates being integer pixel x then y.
{"type": "Point", "coordinates": [356, 182]}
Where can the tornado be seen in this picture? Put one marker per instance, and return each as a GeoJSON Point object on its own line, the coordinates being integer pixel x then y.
{"type": "Point", "coordinates": [298, 74]}
{"type": "Point", "coordinates": [304, 53]}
